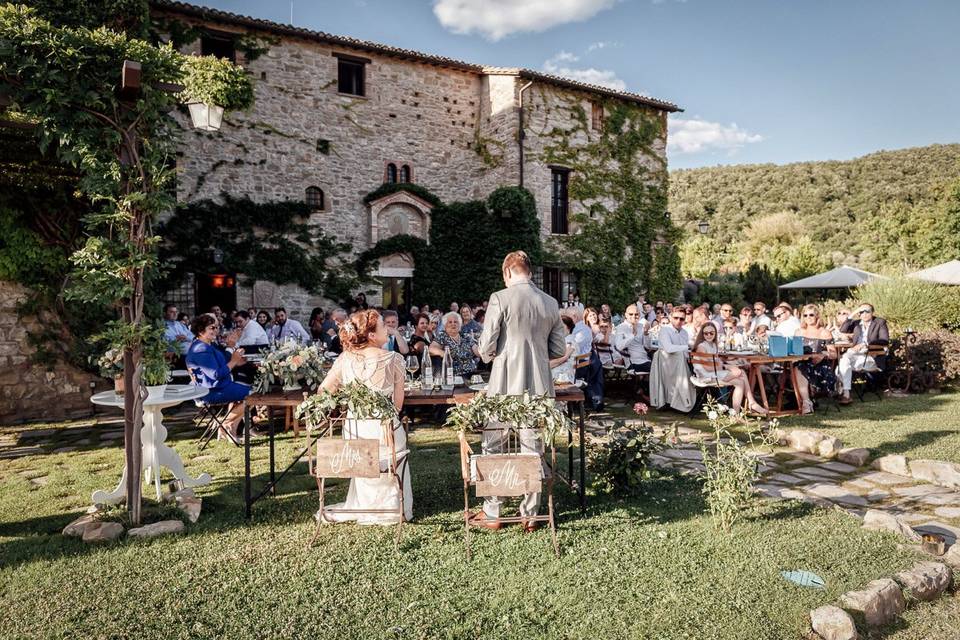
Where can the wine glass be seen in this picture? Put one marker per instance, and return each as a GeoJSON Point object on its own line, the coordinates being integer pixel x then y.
{"type": "Point", "coordinates": [413, 363]}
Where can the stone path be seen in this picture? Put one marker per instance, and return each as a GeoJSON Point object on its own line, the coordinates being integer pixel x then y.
{"type": "Point", "coordinates": [788, 474]}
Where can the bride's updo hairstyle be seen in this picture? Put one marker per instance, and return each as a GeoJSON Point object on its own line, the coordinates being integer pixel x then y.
{"type": "Point", "coordinates": [355, 331]}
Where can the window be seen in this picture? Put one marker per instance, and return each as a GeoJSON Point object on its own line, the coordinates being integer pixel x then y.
{"type": "Point", "coordinates": [559, 202]}
{"type": "Point", "coordinates": [218, 45]}
{"type": "Point", "coordinates": [405, 173]}
{"type": "Point", "coordinates": [391, 173]}
{"type": "Point", "coordinates": [597, 113]}
{"type": "Point", "coordinates": [350, 75]}
{"type": "Point", "coordinates": [314, 198]}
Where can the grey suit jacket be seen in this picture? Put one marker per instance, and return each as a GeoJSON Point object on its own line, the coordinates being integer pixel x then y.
{"type": "Point", "coordinates": [521, 332]}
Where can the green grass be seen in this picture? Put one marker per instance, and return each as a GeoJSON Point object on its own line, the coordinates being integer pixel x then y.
{"type": "Point", "coordinates": [651, 566]}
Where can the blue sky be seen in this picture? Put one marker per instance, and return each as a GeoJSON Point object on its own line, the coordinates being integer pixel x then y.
{"type": "Point", "coordinates": [761, 80]}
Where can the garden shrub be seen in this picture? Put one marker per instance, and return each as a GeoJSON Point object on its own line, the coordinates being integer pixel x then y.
{"type": "Point", "coordinates": [907, 302]}
{"type": "Point", "coordinates": [936, 351]}
{"type": "Point", "coordinates": [620, 461]}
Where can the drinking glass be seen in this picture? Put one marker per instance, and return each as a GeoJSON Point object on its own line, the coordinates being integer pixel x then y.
{"type": "Point", "coordinates": [413, 363]}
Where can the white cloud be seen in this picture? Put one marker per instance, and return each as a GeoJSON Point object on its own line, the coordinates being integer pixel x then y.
{"type": "Point", "coordinates": [601, 77]}
{"type": "Point", "coordinates": [495, 19]}
{"type": "Point", "coordinates": [603, 44]}
{"type": "Point", "coordinates": [694, 135]}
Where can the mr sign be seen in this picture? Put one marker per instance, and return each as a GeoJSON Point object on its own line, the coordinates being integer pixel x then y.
{"type": "Point", "coordinates": [508, 475]}
{"type": "Point", "coordinates": [348, 458]}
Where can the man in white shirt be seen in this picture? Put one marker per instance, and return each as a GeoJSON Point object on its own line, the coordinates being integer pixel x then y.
{"type": "Point", "coordinates": [629, 339]}
{"type": "Point", "coordinates": [251, 333]}
{"type": "Point", "coordinates": [787, 323]}
{"type": "Point", "coordinates": [178, 337]}
{"type": "Point", "coordinates": [285, 329]}
{"type": "Point", "coordinates": [759, 317]}
{"type": "Point", "coordinates": [670, 377]}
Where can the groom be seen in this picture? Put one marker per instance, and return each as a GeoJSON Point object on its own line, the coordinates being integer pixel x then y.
{"type": "Point", "coordinates": [522, 331]}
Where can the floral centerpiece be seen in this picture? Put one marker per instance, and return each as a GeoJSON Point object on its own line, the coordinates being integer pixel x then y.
{"type": "Point", "coordinates": [523, 412]}
{"type": "Point", "coordinates": [291, 364]}
{"type": "Point", "coordinates": [110, 365]}
{"type": "Point", "coordinates": [362, 402]}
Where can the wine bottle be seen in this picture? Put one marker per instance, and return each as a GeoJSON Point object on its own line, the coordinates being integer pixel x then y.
{"type": "Point", "coordinates": [447, 371]}
{"type": "Point", "coordinates": [426, 370]}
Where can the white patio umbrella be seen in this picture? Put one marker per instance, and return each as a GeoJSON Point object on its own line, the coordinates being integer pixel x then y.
{"type": "Point", "coordinates": [946, 273]}
{"type": "Point", "coordinates": [840, 278]}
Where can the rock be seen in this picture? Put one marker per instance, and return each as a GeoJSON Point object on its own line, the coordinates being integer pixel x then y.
{"type": "Point", "coordinates": [880, 602]}
{"type": "Point", "coordinates": [779, 436]}
{"type": "Point", "coordinates": [79, 526]}
{"type": "Point", "coordinates": [102, 532]}
{"type": "Point", "coordinates": [176, 495]}
{"type": "Point", "coordinates": [833, 623]}
{"type": "Point", "coordinates": [800, 440]}
{"type": "Point", "coordinates": [882, 521]}
{"type": "Point", "coordinates": [947, 512]}
{"type": "Point", "coordinates": [925, 581]}
{"type": "Point", "coordinates": [157, 529]}
{"type": "Point", "coordinates": [945, 474]}
{"type": "Point", "coordinates": [856, 457]}
{"type": "Point", "coordinates": [836, 493]}
{"type": "Point", "coordinates": [892, 464]}
{"type": "Point", "coordinates": [952, 556]}
{"type": "Point", "coordinates": [829, 447]}
{"type": "Point", "coordinates": [191, 507]}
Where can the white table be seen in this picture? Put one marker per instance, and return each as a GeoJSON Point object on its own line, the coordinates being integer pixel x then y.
{"type": "Point", "coordinates": [155, 453]}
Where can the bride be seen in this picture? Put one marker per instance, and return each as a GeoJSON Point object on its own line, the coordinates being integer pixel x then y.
{"type": "Point", "coordinates": [363, 359]}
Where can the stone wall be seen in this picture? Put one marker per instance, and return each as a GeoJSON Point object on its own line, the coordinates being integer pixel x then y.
{"type": "Point", "coordinates": [32, 392]}
{"type": "Point", "coordinates": [457, 130]}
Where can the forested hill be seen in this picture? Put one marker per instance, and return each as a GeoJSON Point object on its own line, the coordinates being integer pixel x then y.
{"type": "Point", "coordinates": [883, 211]}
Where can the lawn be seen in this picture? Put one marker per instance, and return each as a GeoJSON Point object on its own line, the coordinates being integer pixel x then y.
{"type": "Point", "coordinates": [650, 566]}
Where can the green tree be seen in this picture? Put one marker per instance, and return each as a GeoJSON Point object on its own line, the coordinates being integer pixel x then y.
{"type": "Point", "coordinates": [702, 256]}
{"type": "Point", "coordinates": [759, 284]}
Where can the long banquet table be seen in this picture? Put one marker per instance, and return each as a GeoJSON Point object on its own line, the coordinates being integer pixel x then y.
{"type": "Point", "coordinates": [569, 394]}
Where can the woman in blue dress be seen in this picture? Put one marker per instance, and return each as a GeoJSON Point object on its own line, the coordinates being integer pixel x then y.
{"type": "Point", "coordinates": [210, 368]}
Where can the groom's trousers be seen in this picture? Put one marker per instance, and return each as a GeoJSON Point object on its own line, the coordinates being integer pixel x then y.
{"type": "Point", "coordinates": [493, 442]}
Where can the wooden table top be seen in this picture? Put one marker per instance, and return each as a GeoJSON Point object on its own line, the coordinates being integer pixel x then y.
{"type": "Point", "coordinates": [416, 397]}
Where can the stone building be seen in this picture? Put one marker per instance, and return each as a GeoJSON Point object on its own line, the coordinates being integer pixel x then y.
{"type": "Point", "coordinates": [336, 117]}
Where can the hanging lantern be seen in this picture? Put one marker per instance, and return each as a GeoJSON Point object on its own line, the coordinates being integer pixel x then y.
{"type": "Point", "coordinates": [206, 117]}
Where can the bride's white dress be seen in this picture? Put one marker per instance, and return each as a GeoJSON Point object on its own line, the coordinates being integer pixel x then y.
{"type": "Point", "coordinates": [381, 373]}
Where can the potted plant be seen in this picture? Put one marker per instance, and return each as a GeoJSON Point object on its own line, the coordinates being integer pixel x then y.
{"type": "Point", "coordinates": [111, 366]}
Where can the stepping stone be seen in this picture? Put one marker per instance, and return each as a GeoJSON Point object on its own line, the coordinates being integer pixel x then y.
{"type": "Point", "coordinates": [683, 454]}
{"type": "Point", "coordinates": [875, 495]}
{"type": "Point", "coordinates": [882, 477]}
{"type": "Point", "coordinates": [859, 484]}
{"type": "Point", "coordinates": [805, 456]}
{"type": "Point", "coordinates": [836, 493]}
{"type": "Point", "coordinates": [921, 490]}
{"type": "Point", "coordinates": [839, 467]}
{"type": "Point", "coordinates": [19, 452]}
{"type": "Point", "coordinates": [786, 478]}
{"type": "Point", "coordinates": [947, 512]}
{"type": "Point", "coordinates": [40, 482]}
{"type": "Point", "coordinates": [949, 532]}
{"type": "Point", "coordinates": [816, 473]}
{"type": "Point", "coordinates": [37, 433]}
{"type": "Point", "coordinates": [82, 442]}
{"type": "Point", "coordinates": [942, 500]}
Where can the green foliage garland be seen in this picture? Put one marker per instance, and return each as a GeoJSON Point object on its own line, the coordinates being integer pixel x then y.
{"type": "Point", "coordinates": [260, 241]}
{"type": "Point", "coordinates": [612, 253]}
{"type": "Point", "coordinates": [388, 188]}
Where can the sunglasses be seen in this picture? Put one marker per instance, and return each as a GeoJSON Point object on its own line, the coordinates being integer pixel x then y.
{"type": "Point", "coordinates": [709, 333]}
{"type": "Point", "coordinates": [809, 315]}
{"type": "Point", "coordinates": [863, 311]}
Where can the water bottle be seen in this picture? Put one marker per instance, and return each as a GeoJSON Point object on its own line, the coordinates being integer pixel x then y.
{"type": "Point", "coordinates": [426, 370]}
{"type": "Point", "coordinates": [446, 371]}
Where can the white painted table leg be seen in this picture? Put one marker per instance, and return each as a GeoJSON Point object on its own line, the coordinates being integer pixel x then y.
{"type": "Point", "coordinates": [164, 456]}
{"type": "Point", "coordinates": [112, 497]}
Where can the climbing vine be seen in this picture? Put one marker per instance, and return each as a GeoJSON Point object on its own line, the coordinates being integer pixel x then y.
{"type": "Point", "coordinates": [270, 241]}
{"type": "Point", "coordinates": [392, 187]}
{"type": "Point", "coordinates": [620, 179]}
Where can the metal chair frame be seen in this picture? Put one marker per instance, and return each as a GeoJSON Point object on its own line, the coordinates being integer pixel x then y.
{"type": "Point", "coordinates": [396, 467]}
{"type": "Point", "coordinates": [509, 445]}
{"type": "Point", "coordinates": [209, 417]}
{"type": "Point", "coordinates": [707, 386]}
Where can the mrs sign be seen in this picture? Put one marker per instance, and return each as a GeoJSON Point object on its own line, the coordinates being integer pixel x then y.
{"type": "Point", "coordinates": [507, 474]}
{"type": "Point", "coordinates": [357, 458]}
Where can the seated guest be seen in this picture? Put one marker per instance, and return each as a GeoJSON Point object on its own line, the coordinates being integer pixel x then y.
{"type": "Point", "coordinates": [470, 325]}
{"type": "Point", "coordinates": [421, 337]}
{"type": "Point", "coordinates": [177, 336]}
{"type": "Point", "coordinates": [869, 332]}
{"type": "Point", "coordinates": [463, 349]}
{"type": "Point", "coordinates": [817, 339]}
{"type": "Point", "coordinates": [592, 319]}
{"type": "Point", "coordinates": [843, 325]}
{"type": "Point", "coordinates": [454, 307]}
{"type": "Point", "coordinates": [726, 312]}
{"type": "Point", "coordinates": [604, 342]}
{"type": "Point", "coordinates": [479, 316]}
{"type": "Point", "coordinates": [706, 342]}
{"type": "Point", "coordinates": [360, 302]}
{"type": "Point", "coordinates": [760, 316]}
{"type": "Point", "coordinates": [338, 316]}
{"type": "Point", "coordinates": [732, 338]}
{"type": "Point", "coordinates": [629, 339]}
{"type": "Point", "coordinates": [264, 319]}
{"type": "Point", "coordinates": [588, 367]}
{"type": "Point", "coordinates": [395, 341]}
{"type": "Point", "coordinates": [285, 329]}
{"type": "Point", "coordinates": [315, 324]}
{"type": "Point", "coordinates": [786, 323]}
{"type": "Point", "coordinates": [184, 319]}
{"type": "Point", "coordinates": [252, 336]}
{"type": "Point", "coordinates": [746, 321]}
{"type": "Point", "coordinates": [563, 367]}
{"type": "Point", "coordinates": [210, 368]}
{"type": "Point", "coordinates": [700, 318]}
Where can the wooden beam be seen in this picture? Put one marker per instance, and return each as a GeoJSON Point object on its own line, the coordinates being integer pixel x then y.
{"type": "Point", "coordinates": [130, 79]}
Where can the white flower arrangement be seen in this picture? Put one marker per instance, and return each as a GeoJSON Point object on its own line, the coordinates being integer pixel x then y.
{"type": "Point", "coordinates": [111, 363]}
{"type": "Point", "coordinates": [290, 363]}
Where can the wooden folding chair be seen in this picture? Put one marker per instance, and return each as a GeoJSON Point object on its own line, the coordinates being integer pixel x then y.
{"type": "Point", "coordinates": [510, 473]}
{"type": "Point", "coordinates": [872, 380]}
{"type": "Point", "coordinates": [337, 457]}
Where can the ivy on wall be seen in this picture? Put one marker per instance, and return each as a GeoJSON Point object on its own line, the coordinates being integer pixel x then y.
{"type": "Point", "coordinates": [270, 241]}
{"type": "Point", "coordinates": [388, 188]}
{"type": "Point", "coordinates": [610, 177]}
{"type": "Point", "coordinates": [468, 241]}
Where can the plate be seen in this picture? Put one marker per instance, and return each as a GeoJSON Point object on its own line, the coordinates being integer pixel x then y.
{"type": "Point", "coordinates": [478, 387]}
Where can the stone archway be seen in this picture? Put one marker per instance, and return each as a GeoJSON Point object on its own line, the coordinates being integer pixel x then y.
{"type": "Point", "coordinates": [399, 213]}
